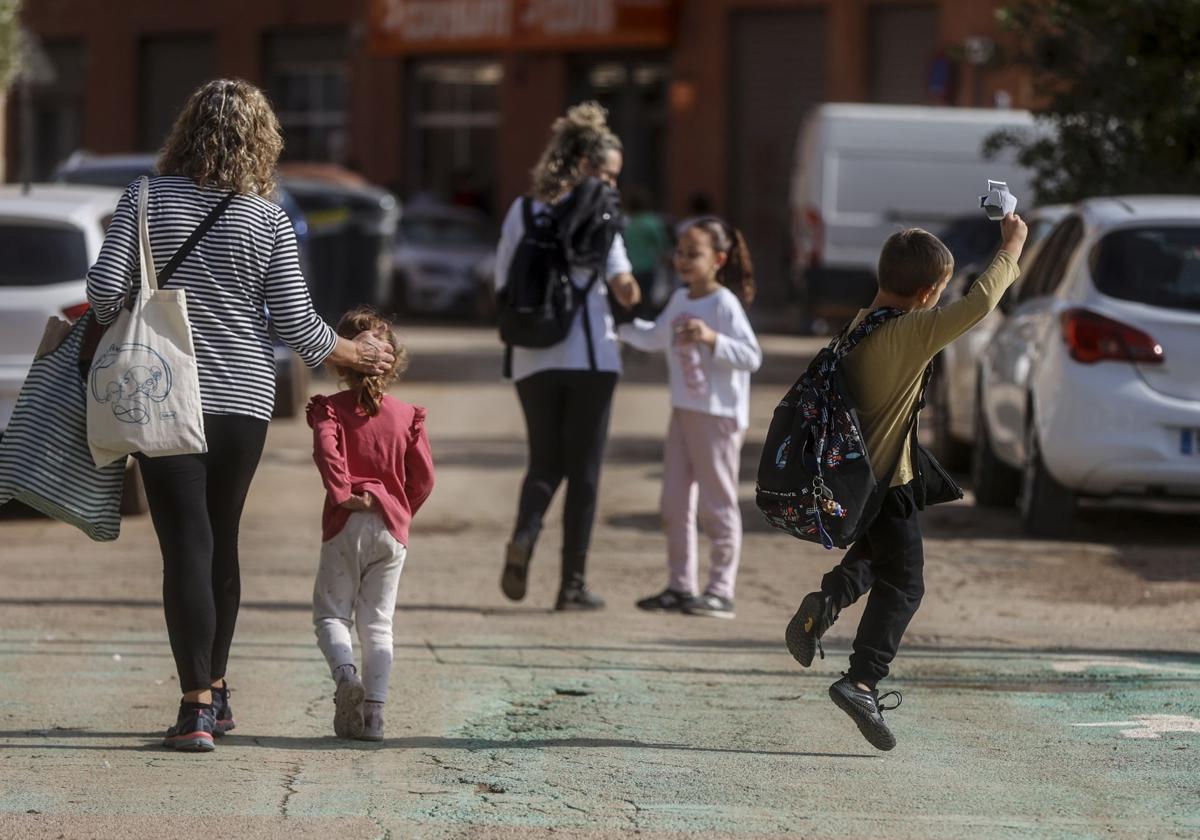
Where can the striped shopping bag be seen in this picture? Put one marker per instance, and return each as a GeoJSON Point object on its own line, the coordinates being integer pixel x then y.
{"type": "Point", "coordinates": [45, 461]}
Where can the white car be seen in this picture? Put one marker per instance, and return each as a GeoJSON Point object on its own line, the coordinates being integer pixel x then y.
{"type": "Point", "coordinates": [1091, 387]}
{"type": "Point", "coordinates": [953, 394]}
{"type": "Point", "coordinates": [49, 237]}
{"type": "Point", "coordinates": [437, 258]}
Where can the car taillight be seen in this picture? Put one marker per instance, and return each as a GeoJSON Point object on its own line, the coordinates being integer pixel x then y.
{"type": "Point", "coordinates": [75, 312]}
{"type": "Point", "coordinates": [816, 227]}
{"type": "Point", "coordinates": [1091, 337]}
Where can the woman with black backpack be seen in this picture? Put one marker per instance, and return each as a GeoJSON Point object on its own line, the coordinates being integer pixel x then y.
{"type": "Point", "coordinates": [560, 253]}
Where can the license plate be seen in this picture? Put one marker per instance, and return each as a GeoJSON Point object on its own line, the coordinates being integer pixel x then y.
{"type": "Point", "coordinates": [1189, 442]}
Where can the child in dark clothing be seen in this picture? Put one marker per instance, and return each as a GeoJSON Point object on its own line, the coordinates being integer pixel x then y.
{"type": "Point", "coordinates": [884, 373]}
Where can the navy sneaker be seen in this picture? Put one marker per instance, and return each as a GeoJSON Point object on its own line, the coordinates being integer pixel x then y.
{"type": "Point", "coordinates": [577, 597]}
{"type": "Point", "coordinates": [709, 605]}
{"type": "Point", "coordinates": [866, 711]}
{"type": "Point", "coordinates": [803, 635]}
{"type": "Point", "coordinates": [666, 601]}
{"type": "Point", "coordinates": [193, 729]}
{"type": "Point", "coordinates": [516, 568]}
{"type": "Point", "coordinates": [224, 714]}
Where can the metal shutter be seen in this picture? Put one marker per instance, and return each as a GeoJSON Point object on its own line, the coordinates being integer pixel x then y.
{"type": "Point", "coordinates": [778, 74]}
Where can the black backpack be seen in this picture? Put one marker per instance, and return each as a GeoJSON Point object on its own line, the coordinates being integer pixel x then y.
{"type": "Point", "coordinates": [815, 478]}
{"type": "Point", "coordinates": [539, 303]}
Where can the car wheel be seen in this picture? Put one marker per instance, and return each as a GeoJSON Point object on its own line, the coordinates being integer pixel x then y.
{"type": "Point", "coordinates": [951, 453]}
{"type": "Point", "coordinates": [1047, 507]}
{"type": "Point", "coordinates": [994, 483]}
{"type": "Point", "coordinates": [133, 491]}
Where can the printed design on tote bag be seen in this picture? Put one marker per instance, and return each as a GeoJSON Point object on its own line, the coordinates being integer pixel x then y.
{"type": "Point", "coordinates": [131, 377]}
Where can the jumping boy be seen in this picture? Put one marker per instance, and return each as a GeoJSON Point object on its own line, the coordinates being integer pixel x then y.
{"type": "Point", "coordinates": [884, 374]}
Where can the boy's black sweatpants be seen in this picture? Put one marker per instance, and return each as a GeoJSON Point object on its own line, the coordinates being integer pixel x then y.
{"type": "Point", "coordinates": [889, 563]}
{"type": "Point", "coordinates": [196, 503]}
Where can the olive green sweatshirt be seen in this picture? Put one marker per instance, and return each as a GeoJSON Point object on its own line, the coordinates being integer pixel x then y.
{"type": "Point", "coordinates": [884, 371]}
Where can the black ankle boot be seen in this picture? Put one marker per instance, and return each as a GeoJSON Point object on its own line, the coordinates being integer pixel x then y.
{"type": "Point", "coordinates": [576, 596]}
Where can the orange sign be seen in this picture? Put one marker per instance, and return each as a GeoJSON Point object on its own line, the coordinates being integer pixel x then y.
{"type": "Point", "coordinates": [417, 26]}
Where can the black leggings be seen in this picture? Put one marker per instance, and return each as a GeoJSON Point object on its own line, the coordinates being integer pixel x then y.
{"type": "Point", "coordinates": [566, 420]}
{"type": "Point", "coordinates": [196, 503]}
{"type": "Point", "coordinates": [889, 563]}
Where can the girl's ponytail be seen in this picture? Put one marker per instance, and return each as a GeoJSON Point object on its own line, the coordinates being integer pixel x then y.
{"type": "Point", "coordinates": [738, 272]}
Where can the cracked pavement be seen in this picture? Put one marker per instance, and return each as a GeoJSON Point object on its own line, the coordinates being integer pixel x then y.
{"type": "Point", "coordinates": [1050, 687]}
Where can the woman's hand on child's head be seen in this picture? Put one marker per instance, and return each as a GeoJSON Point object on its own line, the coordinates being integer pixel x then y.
{"type": "Point", "coordinates": [697, 332]}
{"type": "Point", "coordinates": [1013, 231]}
{"type": "Point", "coordinates": [359, 501]}
{"type": "Point", "coordinates": [375, 356]}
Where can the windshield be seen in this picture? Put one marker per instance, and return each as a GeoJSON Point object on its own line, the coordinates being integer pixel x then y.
{"type": "Point", "coordinates": [443, 230]}
{"type": "Point", "coordinates": [41, 255]}
{"type": "Point", "coordinates": [1159, 266]}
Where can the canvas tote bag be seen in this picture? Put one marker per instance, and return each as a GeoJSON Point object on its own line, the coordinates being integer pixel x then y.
{"type": "Point", "coordinates": [143, 389]}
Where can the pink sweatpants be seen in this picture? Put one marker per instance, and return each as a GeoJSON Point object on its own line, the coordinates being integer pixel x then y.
{"type": "Point", "coordinates": [702, 456]}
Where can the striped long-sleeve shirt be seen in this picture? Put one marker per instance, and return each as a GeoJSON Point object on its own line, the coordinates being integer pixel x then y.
{"type": "Point", "coordinates": [246, 265]}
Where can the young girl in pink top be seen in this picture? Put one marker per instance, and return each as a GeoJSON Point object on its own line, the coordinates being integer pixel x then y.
{"type": "Point", "coordinates": [374, 459]}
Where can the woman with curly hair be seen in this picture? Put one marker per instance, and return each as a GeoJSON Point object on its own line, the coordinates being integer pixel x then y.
{"type": "Point", "coordinates": [566, 390]}
{"type": "Point", "coordinates": [224, 146]}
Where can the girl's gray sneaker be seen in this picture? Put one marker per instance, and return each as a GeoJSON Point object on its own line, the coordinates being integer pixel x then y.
{"type": "Point", "coordinates": [710, 606]}
{"type": "Point", "coordinates": [372, 722]}
{"type": "Point", "coordinates": [348, 706]}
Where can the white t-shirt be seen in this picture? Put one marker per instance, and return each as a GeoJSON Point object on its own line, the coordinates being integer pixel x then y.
{"type": "Point", "coordinates": [715, 381]}
{"type": "Point", "coordinates": [571, 353]}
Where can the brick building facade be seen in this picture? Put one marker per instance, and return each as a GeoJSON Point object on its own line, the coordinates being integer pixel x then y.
{"type": "Point", "coordinates": [455, 96]}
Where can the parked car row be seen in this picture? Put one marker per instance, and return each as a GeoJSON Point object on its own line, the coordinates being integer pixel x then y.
{"type": "Point", "coordinates": [1085, 383]}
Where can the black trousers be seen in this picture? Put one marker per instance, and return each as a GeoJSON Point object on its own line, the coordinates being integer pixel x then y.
{"type": "Point", "coordinates": [889, 563]}
{"type": "Point", "coordinates": [196, 503]}
{"type": "Point", "coordinates": [566, 421]}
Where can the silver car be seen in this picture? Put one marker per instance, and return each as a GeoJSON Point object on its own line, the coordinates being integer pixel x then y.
{"type": "Point", "coordinates": [438, 258]}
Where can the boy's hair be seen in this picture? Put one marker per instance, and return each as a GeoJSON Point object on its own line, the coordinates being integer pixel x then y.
{"type": "Point", "coordinates": [738, 272]}
{"type": "Point", "coordinates": [371, 388]}
{"type": "Point", "coordinates": [912, 260]}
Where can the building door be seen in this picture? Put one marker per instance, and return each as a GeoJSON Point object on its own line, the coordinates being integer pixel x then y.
{"type": "Point", "coordinates": [451, 143]}
{"type": "Point", "coordinates": [778, 72]}
{"type": "Point", "coordinates": [634, 90]}
{"type": "Point", "coordinates": [172, 67]}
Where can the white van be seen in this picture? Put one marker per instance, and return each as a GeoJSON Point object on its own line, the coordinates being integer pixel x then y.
{"type": "Point", "coordinates": [864, 171]}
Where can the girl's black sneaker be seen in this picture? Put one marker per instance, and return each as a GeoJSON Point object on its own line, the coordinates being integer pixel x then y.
{"type": "Point", "coordinates": [513, 579]}
{"type": "Point", "coordinates": [710, 606]}
{"type": "Point", "coordinates": [221, 710]}
{"type": "Point", "coordinates": [666, 601]}
{"type": "Point", "coordinates": [865, 710]}
{"type": "Point", "coordinates": [803, 635]}
{"type": "Point", "coordinates": [576, 597]}
{"type": "Point", "coordinates": [193, 729]}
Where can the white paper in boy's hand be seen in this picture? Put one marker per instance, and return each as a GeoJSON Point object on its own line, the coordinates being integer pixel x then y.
{"type": "Point", "coordinates": [998, 202]}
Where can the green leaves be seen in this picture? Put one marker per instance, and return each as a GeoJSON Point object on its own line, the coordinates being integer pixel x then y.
{"type": "Point", "coordinates": [10, 41]}
{"type": "Point", "coordinates": [1119, 82]}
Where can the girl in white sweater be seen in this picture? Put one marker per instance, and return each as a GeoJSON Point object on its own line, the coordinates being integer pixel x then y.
{"type": "Point", "coordinates": [711, 351]}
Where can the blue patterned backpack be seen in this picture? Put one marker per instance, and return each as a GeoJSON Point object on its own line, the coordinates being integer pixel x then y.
{"type": "Point", "coordinates": [816, 480]}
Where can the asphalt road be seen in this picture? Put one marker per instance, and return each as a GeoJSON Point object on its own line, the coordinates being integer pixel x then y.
{"type": "Point", "coordinates": [1050, 688]}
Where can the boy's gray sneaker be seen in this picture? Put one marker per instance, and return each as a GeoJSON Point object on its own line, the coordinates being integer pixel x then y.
{"type": "Point", "coordinates": [372, 722]}
{"type": "Point", "coordinates": [803, 635]}
{"type": "Point", "coordinates": [348, 707]}
{"type": "Point", "coordinates": [865, 710]}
